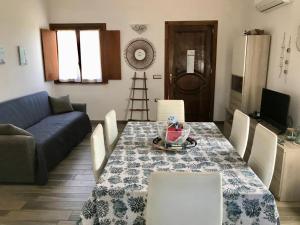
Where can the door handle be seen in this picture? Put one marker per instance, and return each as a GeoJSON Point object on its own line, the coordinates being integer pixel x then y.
{"type": "Point", "coordinates": [170, 86]}
{"type": "Point", "coordinates": [171, 78]}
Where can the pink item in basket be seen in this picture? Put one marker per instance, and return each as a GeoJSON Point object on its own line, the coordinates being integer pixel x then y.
{"type": "Point", "coordinates": [173, 134]}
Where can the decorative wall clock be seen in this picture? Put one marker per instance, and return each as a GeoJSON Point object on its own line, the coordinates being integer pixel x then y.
{"type": "Point", "coordinates": [139, 54]}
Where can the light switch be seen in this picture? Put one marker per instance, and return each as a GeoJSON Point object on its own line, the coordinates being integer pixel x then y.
{"type": "Point", "coordinates": [157, 76]}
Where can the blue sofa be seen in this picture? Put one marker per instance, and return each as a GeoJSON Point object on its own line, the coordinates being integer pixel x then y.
{"type": "Point", "coordinates": [27, 154]}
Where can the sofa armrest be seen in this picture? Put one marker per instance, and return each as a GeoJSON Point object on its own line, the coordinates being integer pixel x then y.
{"type": "Point", "coordinates": [17, 159]}
{"type": "Point", "coordinates": [17, 155]}
{"type": "Point", "coordinates": [81, 107]}
{"type": "Point", "coordinates": [10, 129]}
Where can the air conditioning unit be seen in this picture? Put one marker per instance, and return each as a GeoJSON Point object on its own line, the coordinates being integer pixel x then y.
{"type": "Point", "coordinates": [265, 5]}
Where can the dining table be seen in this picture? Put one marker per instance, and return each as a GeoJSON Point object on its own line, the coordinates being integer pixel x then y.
{"type": "Point", "coordinates": [120, 196]}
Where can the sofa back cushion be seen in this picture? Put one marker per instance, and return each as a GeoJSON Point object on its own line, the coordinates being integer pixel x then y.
{"type": "Point", "coordinates": [25, 111]}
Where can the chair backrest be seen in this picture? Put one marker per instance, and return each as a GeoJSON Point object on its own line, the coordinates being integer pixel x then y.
{"type": "Point", "coordinates": [98, 151]}
{"type": "Point", "coordinates": [263, 154]}
{"type": "Point", "coordinates": [167, 108]}
{"type": "Point", "coordinates": [111, 130]}
{"type": "Point", "coordinates": [240, 132]}
{"type": "Point", "coordinates": [177, 198]}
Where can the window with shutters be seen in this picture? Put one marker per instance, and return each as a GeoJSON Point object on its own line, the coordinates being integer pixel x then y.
{"type": "Point", "coordinates": [80, 55]}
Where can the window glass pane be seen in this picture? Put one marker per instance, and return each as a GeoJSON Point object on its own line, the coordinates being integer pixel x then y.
{"type": "Point", "coordinates": [68, 56]}
{"type": "Point", "coordinates": [90, 55]}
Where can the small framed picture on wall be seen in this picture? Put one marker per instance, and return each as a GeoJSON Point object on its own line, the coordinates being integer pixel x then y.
{"type": "Point", "coordinates": [22, 56]}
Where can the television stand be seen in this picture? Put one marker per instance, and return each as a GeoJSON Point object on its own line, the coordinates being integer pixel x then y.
{"type": "Point", "coordinates": [286, 181]}
{"type": "Point", "coordinates": [268, 125]}
{"type": "Point", "coordinates": [253, 124]}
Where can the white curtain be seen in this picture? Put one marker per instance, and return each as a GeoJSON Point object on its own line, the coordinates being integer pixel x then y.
{"type": "Point", "coordinates": [90, 55]}
{"type": "Point", "coordinates": [68, 56]}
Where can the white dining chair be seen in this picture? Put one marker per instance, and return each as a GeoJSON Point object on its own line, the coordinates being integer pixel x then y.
{"type": "Point", "coordinates": [167, 108]}
{"type": "Point", "coordinates": [240, 132]}
{"type": "Point", "coordinates": [110, 130]}
{"type": "Point", "coordinates": [180, 198]}
{"type": "Point", "coordinates": [98, 151]}
{"type": "Point", "coordinates": [263, 154]}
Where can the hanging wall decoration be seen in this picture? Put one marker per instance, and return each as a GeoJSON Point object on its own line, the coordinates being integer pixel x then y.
{"type": "Point", "coordinates": [287, 59]}
{"type": "Point", "coordinates": [298, 39]}
{"type": "Point", "coordinates": [139, 54]}
{"type": "Point", "coordinates": [139, 28]}
{"type": "Point", "coordinates": [285, 56]}
{"type": "Point", "coordinates": [2, 55]}
{"type": "Point", "coordinates": [282, 56]}
{"type": "Point", "coordinates": [22, 56]}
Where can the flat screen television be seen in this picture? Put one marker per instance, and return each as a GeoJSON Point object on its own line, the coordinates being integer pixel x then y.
{"type": "Point", "coordinates": [274, 108]}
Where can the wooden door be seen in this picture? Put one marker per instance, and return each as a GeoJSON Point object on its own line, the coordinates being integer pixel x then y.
{"type": "Point", "coordinates": [195, 87]}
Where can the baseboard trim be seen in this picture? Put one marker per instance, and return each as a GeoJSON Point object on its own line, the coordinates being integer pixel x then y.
{"type": "Point", "coordinates": [219, 122]}
{"type": "Point", "coordinates": [126, 121]}
{"type": "Point", "coordinates": [102, 121]}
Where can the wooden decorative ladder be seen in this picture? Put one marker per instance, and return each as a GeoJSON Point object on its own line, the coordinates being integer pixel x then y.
{"type": "Point", "coordinates": [143, 99]}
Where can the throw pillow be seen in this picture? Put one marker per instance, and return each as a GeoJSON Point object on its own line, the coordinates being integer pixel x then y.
{"type": "Point", "coordinates": [61, 104]}
{"type": "Point", "coordinates": [10, 129]}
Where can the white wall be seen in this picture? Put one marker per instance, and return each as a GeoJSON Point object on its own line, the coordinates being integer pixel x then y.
{"type": "Point", "coordinates": [19, 25]}
{"type": "Point", "coordinates": [20, 22]}
{"type": "Point", "coordinates": [276, 22]}
{"type": "Point", "coordinates": [120, 14]}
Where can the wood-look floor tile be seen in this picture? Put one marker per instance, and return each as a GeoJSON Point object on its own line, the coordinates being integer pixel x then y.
{"type": "Point", "coordinates": [84, 177]}
{"type": "Point", "coordinates": [74, 172]}
{"type": "Point", "coordinates": [78, 161]}
{"type": "Point", "coordinates": [289, 211]}
{"type": "Point", "coordinates": [288, 204]}
{"type": "Point", "coordinates": [62, 199]}
{"type": "Point", "coordinates": [27, 223]}
{"type": "Point", "coordinates": [4, 212]}
{"type": "Point", "coordinates": [63, 195]}
{"type": "Point", "coordinates": [75, 217]}
{"type": "Point", "coordinates": [47, 189]}
{"type": "Point", "coordinates": [61, 176]}
{"type": "Point", "coordinates": [77, 158]}
{"type": "Point", "coordinates": [10, 204]}
{"type": "Point", "coordinates": [72, 183]}
{"type": "Point", "coordinates": [65, 166]}
{"type": "Point", "coordinates": [37, 215]}
{"type": "Point", "coordinates": [52, 205]}
{"type": "Point", "coordinates": [67, 223]}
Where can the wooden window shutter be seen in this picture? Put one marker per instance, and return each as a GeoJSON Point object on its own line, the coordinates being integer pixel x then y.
{"type": "Point", "coordinates": [110, 55]}
{"type": "Point", "coordinates": [50, 55]}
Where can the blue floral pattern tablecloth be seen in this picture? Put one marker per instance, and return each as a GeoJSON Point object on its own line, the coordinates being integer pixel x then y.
{"type": "Point", "coordinates": [120, 198]}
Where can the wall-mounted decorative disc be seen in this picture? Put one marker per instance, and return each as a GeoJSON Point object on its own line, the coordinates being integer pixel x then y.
{"type": "Point", "coordinates": [139, 54]}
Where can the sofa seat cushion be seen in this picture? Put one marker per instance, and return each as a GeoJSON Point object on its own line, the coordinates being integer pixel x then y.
{"type": "Point", "coordinates": [53, 125]}
{"type": "Point", "coordinates": [55, 137]}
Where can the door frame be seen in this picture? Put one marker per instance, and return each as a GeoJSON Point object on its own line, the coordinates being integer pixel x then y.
{"type": "Point", "coordinates": [214, 25]}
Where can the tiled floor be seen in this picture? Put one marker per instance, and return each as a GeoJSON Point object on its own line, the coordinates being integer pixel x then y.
{"type": "Point", "coordinates": [70, 183]}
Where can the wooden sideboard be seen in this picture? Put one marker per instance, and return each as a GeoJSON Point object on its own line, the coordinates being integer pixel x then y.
{"type": "Point", "coordinates": [286, 179]}
{"type": "Point", "coordinates": [285, 184]}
